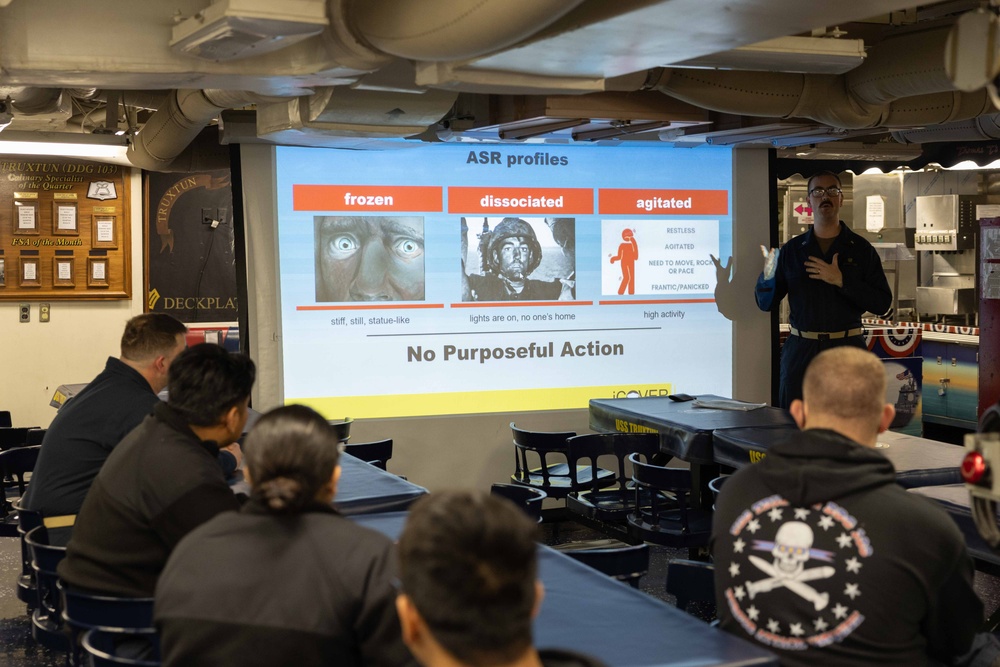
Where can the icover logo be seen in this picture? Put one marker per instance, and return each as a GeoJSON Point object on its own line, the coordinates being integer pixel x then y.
{"type": "Point", "coordinates": [638, 393]}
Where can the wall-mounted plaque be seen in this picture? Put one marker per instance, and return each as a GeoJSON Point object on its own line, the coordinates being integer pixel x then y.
{"type": "Point", "coordinates": [64, 218]}
{"type": "Point", "coordinates": [26, 217]}
{"type": "Point", "coordinates": [30, 276]}
{"type": "Point", "coordinates": [55, 214]}
{"type": "Point", "coordinates": [105, 231]}
{"type": "Point", "coordinates": [62, 272]}
{"type": "Point", "coordinates": [97, 272]}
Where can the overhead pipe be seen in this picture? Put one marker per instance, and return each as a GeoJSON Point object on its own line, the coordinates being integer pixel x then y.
{"type": "Point", "coordinates": [449, 30]}
{"type": "Point", "coordinates": [885, 91]}
{"type": "Point", "coordinates": [174, 125]}
{"type": "Point", "coordinates": [31, 101]}
{"type": "Point", "coordinates": [363, 36]}
{"type": "Point", "coordinates": [982, 128]}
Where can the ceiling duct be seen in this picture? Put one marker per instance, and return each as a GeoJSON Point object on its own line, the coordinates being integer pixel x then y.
{"type": "Point", "coordinates": [981, 128]}
{"type": "Point", "coordinates": [437, 30]}
{"type": "Point", "coordinates": [351, 113]}
{"type": "Point", "coordinates": [886, 91]}
{"type": "Point", "coordinates": [172, 127]}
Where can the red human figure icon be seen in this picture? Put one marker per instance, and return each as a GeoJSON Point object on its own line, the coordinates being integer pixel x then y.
{"type": "Point", "coordinates": [628, 252]}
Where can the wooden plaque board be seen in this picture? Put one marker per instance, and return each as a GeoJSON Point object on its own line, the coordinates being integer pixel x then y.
{"type": "Point", "coordinates": [65, 204]}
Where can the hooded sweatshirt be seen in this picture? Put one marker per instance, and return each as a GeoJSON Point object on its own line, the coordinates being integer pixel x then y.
{"type": "Point", "coordinates": [824, 559]}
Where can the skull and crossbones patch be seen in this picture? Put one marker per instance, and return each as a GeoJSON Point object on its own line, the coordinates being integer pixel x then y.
{"type": "Point", "coordinates": [782, 555]}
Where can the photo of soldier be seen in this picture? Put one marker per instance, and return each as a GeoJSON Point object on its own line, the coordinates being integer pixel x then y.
{"type": "Point", "coordinates": [518, 259]}
{"type": "Point", "coordinates": [369, 258]}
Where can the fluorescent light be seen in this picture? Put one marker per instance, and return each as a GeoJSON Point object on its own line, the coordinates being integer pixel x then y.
{"type": "Point", "coordinates": [100, 147]}
{"type": "Point", "coordinates": [526, 131]}
{"type": "Point", "coordinates": [621, 130]}
{"type": "Point", "coordinates": [812, 55]}
{"type": "Point", "coordinates": [968, 165]}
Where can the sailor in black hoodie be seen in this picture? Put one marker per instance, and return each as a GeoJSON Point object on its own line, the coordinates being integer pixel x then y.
{"type": "Point", "coordinates": [822, 557]}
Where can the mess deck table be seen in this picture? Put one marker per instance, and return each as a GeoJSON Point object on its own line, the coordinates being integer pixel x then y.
{"type": "Point", "coordinates": [364, 489]}
{"type": "Point", "coordinates": [918, 461]}
{"type": "Point", "coordinates": [588, 612]}
{"type": "Point", "coordinates": [954, 498]}
{"type": "Point", "coordinates": [685, 431]}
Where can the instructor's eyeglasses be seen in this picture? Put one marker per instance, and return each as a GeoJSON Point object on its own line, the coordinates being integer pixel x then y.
{"type": "Point", "coordinates": [833, 192]}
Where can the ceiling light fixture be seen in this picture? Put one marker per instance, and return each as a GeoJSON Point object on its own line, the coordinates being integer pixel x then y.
{"type": "Point", "coordinates": [624, 129]}
{"type": "Point", "coordinates": [537, 129]}
{"type": "Point", "coordinates": [100, 147]}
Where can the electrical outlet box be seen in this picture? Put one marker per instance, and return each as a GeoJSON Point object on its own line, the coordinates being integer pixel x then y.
{"type": "Point", "coordinates": [213, 216]}
{"type": "Point", "coordinates": [43, 312]}
{"type": "Point", "coordinates": [24, 312]}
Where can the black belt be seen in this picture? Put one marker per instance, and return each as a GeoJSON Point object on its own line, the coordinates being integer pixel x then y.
{"type": "Point", "coordinates": [827, 335]}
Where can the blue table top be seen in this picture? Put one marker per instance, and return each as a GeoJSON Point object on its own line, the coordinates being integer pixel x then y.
{"type": "Point", "coordinates": [954, 498]}
{"type": "Point", "coordinates": [365, 489]}
{"type": "Point", "coordinates": [685, 430]}
{"type": "Point", "coordinates": [918, 461]}
{"type": "Point", "coordinates": [587, 612]}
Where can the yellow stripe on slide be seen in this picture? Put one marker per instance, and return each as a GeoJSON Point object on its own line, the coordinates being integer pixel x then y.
{"type": "Point", "coordinates": [472, 402]}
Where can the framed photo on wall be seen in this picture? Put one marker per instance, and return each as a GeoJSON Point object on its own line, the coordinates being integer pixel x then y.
{"type": "Point", "coordinates": [97, 272]}
{"type": "Point", "coordinates": [30, 276]}
{"type": "Point", "coordinates": [62, 271]}
{"type": "Point", "coordinates": [3, 272]}
{"type": "Point", "coordinates": [104, 231]}
{"type": "Point", "coordinates": [26, 217]}
{"type": "Point", "coordinates": [65, 221]}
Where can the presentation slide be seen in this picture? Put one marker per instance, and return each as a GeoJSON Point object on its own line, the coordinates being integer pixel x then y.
{"type": "Point", "coordinates": [456, 279]}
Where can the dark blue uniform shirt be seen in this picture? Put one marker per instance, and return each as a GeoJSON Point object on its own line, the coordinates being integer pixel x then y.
{"type": "Point", "coordinates": [83, 433]}
{"type": "Point", "coordinates": [819, 306]}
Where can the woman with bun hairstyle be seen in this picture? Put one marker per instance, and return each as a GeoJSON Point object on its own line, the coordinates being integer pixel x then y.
{"type": "Point", "coordinates": [287, 579]}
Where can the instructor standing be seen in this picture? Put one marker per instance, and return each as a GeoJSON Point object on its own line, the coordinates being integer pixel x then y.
{"type": "Point", "coordinates": [831, 275]}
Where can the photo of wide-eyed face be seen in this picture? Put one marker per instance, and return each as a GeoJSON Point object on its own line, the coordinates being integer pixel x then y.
{"type": "Point", "coordinates": [369, 258]}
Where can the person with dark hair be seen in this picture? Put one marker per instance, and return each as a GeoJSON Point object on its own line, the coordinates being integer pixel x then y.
{"type": "Point", "coordinates": [512, 253]}
{"type": "Point", "coordinates": [470, 588]}
{"type": "Point", "coordinates": [831, 276]}
{"type": "Point", "coordinates": [163, 480]}
{"type": "Point", "coordinates": [822, 557]}
{"type": "Point", "coordinates": [93, 422]}
{"type": "Point", "coordinates": [287, 580]}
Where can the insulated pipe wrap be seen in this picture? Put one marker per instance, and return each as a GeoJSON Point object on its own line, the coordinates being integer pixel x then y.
{"type": "Point", "coordinates": [937, 108]}
{"type": "Point", "coordinates": [752, 94]}
{"type": "Point", "coordinates": [443, 30]}
{"type": "Point", "coordinates": [974, 129]}
{"type": "Point", "coordinates": [825, 99]}
{"type": "Point", "coordinates": [175, 125]}
{"type": "Point", "coordinates": [894, 87]}
{"type": "Point", "coordinates": [903, 66]}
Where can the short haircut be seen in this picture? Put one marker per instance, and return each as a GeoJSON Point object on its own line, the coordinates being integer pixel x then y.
{"type": "Point", "coordinates": [205, 381]}
{"type": "Point", "coordinates": [846, 383]}
{"type": "Point", "coordinates": [468, 563]}
{"type": "Point", "coordinates": [823, 173]}
{"type": "Point", "coordinates": [290, 454]}
{"type": "Point", "coordinates": [149, 335]}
